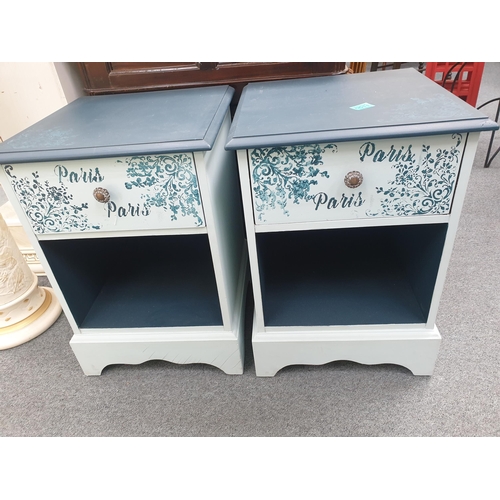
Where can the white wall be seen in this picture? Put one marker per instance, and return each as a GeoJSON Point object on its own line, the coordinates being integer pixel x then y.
{"type": "Point", "coordinates": [32, 91]}
{"type": "Point", "coordinates": [70, 79]}
{"type": "Point", "coordinates": [28, 93]}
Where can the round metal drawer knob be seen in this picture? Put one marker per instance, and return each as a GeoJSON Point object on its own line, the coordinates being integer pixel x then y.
{"type": "Point", "coordinates": [101, 195]}
{"type": "Point", "coordinates": [353, 179]}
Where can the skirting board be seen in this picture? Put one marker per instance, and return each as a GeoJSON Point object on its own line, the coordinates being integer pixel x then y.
{"type": "Point", "coordinates": [415, 348]}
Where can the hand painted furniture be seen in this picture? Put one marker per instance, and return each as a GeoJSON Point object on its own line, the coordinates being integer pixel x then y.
{"type": "Point", "coordinates": [352, 189]}
{"type": "Point", "coordinates": [133, 206]}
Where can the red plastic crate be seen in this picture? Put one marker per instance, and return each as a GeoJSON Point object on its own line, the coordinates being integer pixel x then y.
{"type": "Point", "coordinates": [467, 84]}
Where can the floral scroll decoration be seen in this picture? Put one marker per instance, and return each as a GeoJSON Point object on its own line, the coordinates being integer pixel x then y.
{"type": "Point", "coordinates": [423, 187]}
{"type": "Point", "coordinates": [49, 208]}
{"type": "Point", "coordinates": [170, 181]}
{"type": "Point", "coordinates": [283, 174]}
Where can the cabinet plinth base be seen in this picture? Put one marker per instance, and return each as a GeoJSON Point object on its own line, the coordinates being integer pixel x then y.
{"type": "Point", "coordinates": [415, 349]}
{"type": "Point", "coordinates": [95, 352]}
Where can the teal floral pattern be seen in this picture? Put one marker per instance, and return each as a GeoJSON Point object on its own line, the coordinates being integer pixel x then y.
{"type": "Point", "coordinates": [170, 181]}
{"type": "Point", "coordinates": [285, 174]}
{"type": "Point", "coordinates": [423, 187]}
{"type": "Point", "coordinates": [49, 208]}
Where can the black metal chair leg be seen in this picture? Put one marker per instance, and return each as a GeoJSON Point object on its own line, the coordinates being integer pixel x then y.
{"type": "Point", "coordinates": [489, 159]}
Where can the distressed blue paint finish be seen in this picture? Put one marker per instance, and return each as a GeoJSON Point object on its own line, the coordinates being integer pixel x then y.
{"type": "Point", "coordinates": [104, 126]}
{"type": "Point", "coordinates": [282, 174]}
{"type": "Point", "coordinates": [422, 186]}
{"type": "Point", "coordinates": [49, 208]}
{"type": "Point", "coordinates": [319, 110]}
{"type": "Point", "coordinates": [170, 181]}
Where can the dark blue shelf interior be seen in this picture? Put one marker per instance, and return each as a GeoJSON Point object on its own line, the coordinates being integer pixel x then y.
{"type": "Point", "coordinates": [354, 276]}
{"type": "Point", "coordinates": [137, 282]}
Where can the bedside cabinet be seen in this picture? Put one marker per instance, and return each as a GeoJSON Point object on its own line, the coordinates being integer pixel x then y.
{"type": "Point", "coordinates": [133, 207]}
{"type": "Point", "coordinates": [352, 189]}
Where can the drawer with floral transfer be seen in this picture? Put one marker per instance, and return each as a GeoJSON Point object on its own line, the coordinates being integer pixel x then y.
{"type": "Point", "coordinates": [109, 194]}
{"type": "Point", "coordinates": [413, 176]}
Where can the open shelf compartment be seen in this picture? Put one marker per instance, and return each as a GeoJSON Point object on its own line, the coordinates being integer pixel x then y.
{"type": "Point", "coordinates": [349, 276]}
{"type": "Point", "coordinates": [148, 281]}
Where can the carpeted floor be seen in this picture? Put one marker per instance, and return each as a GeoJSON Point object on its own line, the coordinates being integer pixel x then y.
{"type": "Point", "coordinates": [43, 391]}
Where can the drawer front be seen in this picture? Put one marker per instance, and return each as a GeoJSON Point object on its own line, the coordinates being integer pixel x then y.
{"type": "Point", "coordinates": [145, 192]}
{"type": "Point", "coordinates": [353, 180]}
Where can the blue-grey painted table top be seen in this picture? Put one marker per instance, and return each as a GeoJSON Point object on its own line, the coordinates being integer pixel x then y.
{"type": "Point", "coordinates": [397, 103]}
{"type": "Point", "coordinates": [124, 124]}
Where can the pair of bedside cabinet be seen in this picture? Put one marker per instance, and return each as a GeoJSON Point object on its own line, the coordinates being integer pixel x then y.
{"type": "Point", "coordinates": [341, 195]}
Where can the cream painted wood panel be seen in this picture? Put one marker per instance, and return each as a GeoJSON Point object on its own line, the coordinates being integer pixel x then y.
{"type": "Point", "coordinates": [145, 192]}
{"type": "Point", "coordinates": [355, 180]}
